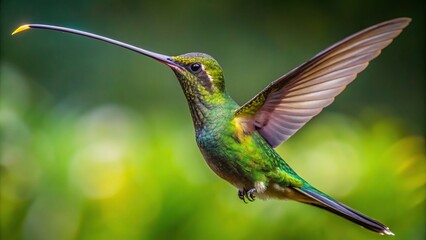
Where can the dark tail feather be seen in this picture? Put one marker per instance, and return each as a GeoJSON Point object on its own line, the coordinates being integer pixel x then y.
{"type": "Point", "coordinates": [319, 199]}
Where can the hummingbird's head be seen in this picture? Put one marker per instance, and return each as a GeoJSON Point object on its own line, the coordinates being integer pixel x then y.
{"type": "Point", "coordinates": [198, 73]}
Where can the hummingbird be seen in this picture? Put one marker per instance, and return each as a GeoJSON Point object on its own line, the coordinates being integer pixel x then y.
{"type": "Point", "coordinates": [237, 142]}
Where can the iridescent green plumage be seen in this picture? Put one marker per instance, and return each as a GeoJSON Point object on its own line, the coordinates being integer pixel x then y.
{"type": "Point", "coordinates": [237, 142]}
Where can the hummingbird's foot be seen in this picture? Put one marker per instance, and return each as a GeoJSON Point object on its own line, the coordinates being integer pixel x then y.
{"type": "Point", "coordinates": [249, 195]}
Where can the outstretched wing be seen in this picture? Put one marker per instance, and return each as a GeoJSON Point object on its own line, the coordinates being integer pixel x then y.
{"type": "Point", "coordinates": [289, 102]}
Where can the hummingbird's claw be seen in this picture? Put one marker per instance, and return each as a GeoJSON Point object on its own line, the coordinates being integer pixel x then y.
{"type": "Point", "coordinates": [241, 195]}
{"type": "Point", "coordinates": [249, 195]}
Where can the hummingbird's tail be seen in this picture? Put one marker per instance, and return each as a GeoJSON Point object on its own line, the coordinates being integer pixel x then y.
{"type": "Point", "coordinates": [315, 197]}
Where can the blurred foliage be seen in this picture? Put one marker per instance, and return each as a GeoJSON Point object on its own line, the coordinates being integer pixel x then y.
{"type": "Point", "coordinates": [97, 142]}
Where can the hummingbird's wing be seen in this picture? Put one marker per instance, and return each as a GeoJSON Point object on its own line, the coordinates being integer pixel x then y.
{"type": "Point", "coordinates": [289, 102]}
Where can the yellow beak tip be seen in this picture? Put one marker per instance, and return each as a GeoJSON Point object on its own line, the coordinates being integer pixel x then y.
{"type": "Point", "coordinates": [21, 28]}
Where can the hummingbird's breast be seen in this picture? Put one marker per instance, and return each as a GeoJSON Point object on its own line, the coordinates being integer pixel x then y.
{"type": "Point", "coordinates": [239, 158]}
{"type": "Point", "coordinates": [221, 148]}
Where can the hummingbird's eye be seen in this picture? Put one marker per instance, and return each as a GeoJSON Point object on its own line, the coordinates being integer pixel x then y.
{"type": "Point", "coordinates": [195, 67]}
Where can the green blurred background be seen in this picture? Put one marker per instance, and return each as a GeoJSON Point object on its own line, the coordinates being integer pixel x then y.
{"type": "Point", "coordinates": [97, 142]}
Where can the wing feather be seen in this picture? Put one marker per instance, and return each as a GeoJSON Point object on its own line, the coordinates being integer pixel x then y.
{"type": "Point", "coordinates": [288, 103]}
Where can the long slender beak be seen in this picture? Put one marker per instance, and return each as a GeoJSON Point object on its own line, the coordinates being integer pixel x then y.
{"type": "Point", "coordinates": [160, 57]}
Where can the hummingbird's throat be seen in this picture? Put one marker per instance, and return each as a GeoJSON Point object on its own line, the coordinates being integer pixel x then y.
{"type": "Point", "coordinates": [199, 113]}
{"type": "Point", "coordinates": [199, 95]}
